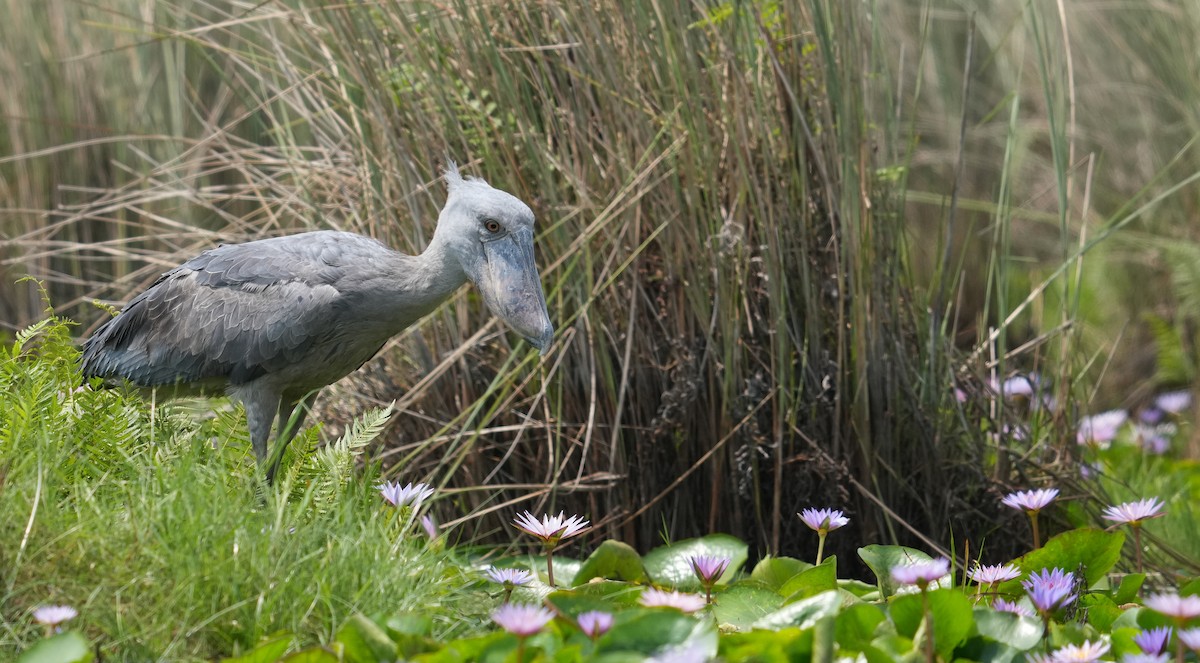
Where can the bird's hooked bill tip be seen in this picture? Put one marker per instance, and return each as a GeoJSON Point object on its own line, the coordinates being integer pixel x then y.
{"type": "Point", "coordinates": [542, 343]}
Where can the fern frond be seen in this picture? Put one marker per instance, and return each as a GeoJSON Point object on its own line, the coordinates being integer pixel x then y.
{"type": "Point", "coordinates": [1183, 259]}
{"type": "Point", "coordinates": [327, 470]}
{"type": "Point", "coordinates": [1174, 365]}
{"type": "Point", "coordinates": [29, 333]}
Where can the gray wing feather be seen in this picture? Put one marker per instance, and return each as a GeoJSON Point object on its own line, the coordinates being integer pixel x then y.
{"type": "Point", "coordinates": [232, 313]}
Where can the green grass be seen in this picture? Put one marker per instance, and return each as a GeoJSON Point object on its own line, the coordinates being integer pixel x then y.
{"type": "Point", "coordinates": [1129, 474]}
{"type": "Point", "coordinates": [158, 531]}
{"type": "Point", "coordinates": [1069, 121]}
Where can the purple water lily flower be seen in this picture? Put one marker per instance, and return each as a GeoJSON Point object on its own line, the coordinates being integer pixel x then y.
{"type": "Point", "coordinates": [692, 650]}
{"type": "Point", "coordinates": [53, 615]}
{"type": "Point", "coordinates": [411, 495]}
{"type": "Point", "coordinates": [1084, 653]}
{"type": "Point", "coordinates": [509, 577]}
{"type": "Point", "coordinates": [1143, 657]}
{"type": "Point", "coordinates": [1174, 402]}
{"type": "Point", "coordinates": [1018, 385]}
{"type": "Point", "coordinates": [987, 575]}
{"type": "Point", "coordinates": [657, 598]}
{"type": "Point", "coordinates": [709, 568]}
{"type": "Point", "coordinates": [1030, 501]}
{"type": "Point", "coordinates": [1100, 429]}
{"type": "Point", "coordinates": [595, 623]}
{"type": "Point", "coordinates": [1153, 641]}
{"type": "Point", "coordinates": [1174, 605]}
{"type": "Point", "coordinates": [1133, 513]}
{"type": "Point", "coordinates": [551, 529]}
{"type": "Point", "coordinates": [429, 526]}
{"type": "Point", "coordinates": [1151, 415]}
{"type": "Point", "coordinates": [1154, 440]}
{"type": "Point", "coordinates": [1190, 638]}
{"type": "Point", "coordinates": [1050, 589]}
{"type": "Point", "coordinates": [1001, 605]}
{"type": "Point", "coordinates": [522, 619]}
{"type": "Point", "coordinates": [921, 573]}
{"type": "Point", "coordinates": [823, 520]}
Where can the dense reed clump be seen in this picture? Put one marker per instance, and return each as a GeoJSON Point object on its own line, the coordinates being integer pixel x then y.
{"type": "Point", "coordinates": [720, 193]}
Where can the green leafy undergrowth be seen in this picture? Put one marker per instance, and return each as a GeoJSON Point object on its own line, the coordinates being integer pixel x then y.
{"type": "Point", "coordinates": [785, 609]}
{"type": "Point", "coordinates": [158, 529]}
{"type": "Point", "coordinates": [1131, 467]}
{"type": "Point", "coordinates": [155, 525]}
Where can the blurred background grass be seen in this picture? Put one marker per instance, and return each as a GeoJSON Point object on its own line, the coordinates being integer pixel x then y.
{"type": "Point", "coordinates": [775, 236]}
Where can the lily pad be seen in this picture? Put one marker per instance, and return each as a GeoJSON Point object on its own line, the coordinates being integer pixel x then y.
{"type": "Point", "coordinates": [1097, 551]}
{"type": "Point", "coordinates": [782, 646]}
{"type": "Point", "coordinates": [672, 564]}
{"type": "Point", "coordinates": [612, 560]}
{"type": "Point", "coordinates": [648, 632]}
{"type": "Point", "coordinates": [318, 654]}
{"type": "Point", "coordinates": [745, 602]}
{"type": "Point", "coordinates": [1016, 631]}
{"type": "Point", "coordinates": [803, 614]}
{"type": "Point", "coordinates": [606, 595]}
{"type": "Point", "coordinates": [363, 641]}
{"type": "Point", "coordinates": [859, 588]}
{"type": "Point", "coordinates": [1127, 590]}
{"type": "Point", "coordinates": [267, 651]}
{"type": "Point", "coordinates": [952, 618]}
{"type": "Point", "coordinates": [811, 582]}
{"type": "Point", "coordinates": [69, 647]}
{"type": "Point", "coordinates": [856, 626]}
{"type": "Point", "coordinates": [775, 571]}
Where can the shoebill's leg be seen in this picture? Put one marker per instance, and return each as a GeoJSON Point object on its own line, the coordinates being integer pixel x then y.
{"type": "Point", "coordinates": [291, 419]}
{"type": "Point", "coordinates": [261, 405]}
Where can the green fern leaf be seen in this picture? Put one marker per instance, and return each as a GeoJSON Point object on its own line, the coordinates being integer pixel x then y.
{"type": "Point", "coordinates": [1173, 364]}
{"type": "Point", "coordinates": [29, 333]}
{"type": "Point", "coordinates": [326, 470]}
